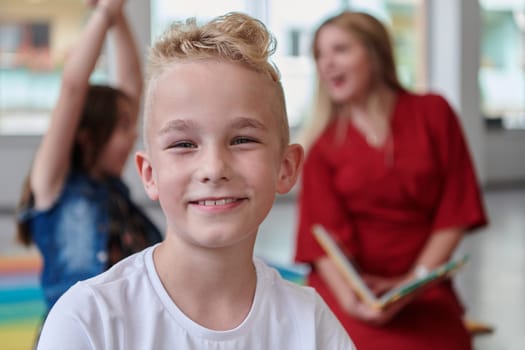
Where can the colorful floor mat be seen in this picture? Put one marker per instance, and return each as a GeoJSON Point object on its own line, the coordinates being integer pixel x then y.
{"type": "Point", "coordinates": [21, 303]}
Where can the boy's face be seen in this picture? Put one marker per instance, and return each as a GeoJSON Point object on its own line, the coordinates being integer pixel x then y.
{"type": "Point", "coordinates": [215, 158]}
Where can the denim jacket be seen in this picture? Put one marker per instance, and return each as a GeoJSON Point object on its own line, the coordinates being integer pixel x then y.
{"type": "Point", "coordinates": [72, 235]}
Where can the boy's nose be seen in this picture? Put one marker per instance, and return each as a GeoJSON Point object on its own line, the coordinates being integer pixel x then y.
{"type": "Point", "coordinates": [214, 167]}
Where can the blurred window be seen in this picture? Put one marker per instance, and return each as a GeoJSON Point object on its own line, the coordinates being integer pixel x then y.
{"type": "Point", "coordinates": [502, 70]}
{"type": "Point", "coordinates": [163, 12]}
{"type": "Point", "coordinates": [295, 33]}
{"type": "Point", "coordinates": [293, 23]}
{"type": "Point", "coordinates": [36, 35]}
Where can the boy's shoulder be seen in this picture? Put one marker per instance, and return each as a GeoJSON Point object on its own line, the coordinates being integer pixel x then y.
{"type": "Point", "coordinates": [288, 305]}
{"type": "Point", "coordinates": [284, 290]}
{"type": "Point", "coordinates": [124, 271]}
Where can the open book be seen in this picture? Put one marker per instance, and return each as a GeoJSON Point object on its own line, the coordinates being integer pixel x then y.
{"type": "Point", "coordinates": [351, 273]}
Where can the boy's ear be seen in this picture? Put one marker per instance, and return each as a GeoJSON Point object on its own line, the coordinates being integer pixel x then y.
{"type": "Point", "coordinates": [146, 174]}
{"type": "Point", "coordinates": [290, 168]}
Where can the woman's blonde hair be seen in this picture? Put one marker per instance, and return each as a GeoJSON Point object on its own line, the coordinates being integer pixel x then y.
{"type": "Point", "coordinates": [376, 39]}
{"type": "Point", "coordinates": [234, 37]}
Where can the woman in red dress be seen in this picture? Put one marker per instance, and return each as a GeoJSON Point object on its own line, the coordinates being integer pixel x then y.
{"type": "Point", "coordinates": [389, 173]}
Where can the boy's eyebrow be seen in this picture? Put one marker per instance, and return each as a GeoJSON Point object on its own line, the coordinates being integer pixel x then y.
{"type": "Point", "coordinates": [238, 123]}
{"type": "Point", "coordinates": [243, 122]}
{"type": "Point", "coordinates": [176, 125]}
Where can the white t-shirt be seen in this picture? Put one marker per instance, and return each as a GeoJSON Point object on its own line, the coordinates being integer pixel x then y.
{"type": "Point", "coordinates": [128, 308]}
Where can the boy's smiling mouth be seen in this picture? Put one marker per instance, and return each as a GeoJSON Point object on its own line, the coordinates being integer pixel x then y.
{"type": "Point", "coordinates": [216, 202]}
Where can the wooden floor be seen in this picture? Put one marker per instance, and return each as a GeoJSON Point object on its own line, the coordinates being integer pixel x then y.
{"type": "Point", "coordinates": [492, 286]}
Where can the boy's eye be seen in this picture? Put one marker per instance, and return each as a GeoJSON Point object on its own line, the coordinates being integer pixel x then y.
{"type": "Point", "coordinates": [183, 144]}
{"type": "Point", "coordinates": [241, 140]}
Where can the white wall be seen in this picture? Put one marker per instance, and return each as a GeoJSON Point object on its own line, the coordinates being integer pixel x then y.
{"type": "Point", "coordinates": [505, 156]}
{"type": "Point", "coordinates": [453, 34]}
{"type": "Point", "coordinates": [453, 29]}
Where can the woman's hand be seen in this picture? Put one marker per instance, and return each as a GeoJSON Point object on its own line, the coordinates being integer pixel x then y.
{"type": "Point", "coordinates": [380, 317]}
{"type": "Point", "coordinates": [378, 285]}
{"type": "Point", "coordinates": [350, 302]}
{"type": "Point", "coordinates": [369, 314]}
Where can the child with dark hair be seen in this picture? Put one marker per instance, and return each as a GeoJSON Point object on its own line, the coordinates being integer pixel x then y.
{"type": "Point", "coordinates": [75, 206]}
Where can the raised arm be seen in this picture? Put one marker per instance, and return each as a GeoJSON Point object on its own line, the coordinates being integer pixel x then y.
{"type": "Point", "coordinates": [128, 65]}
{"type": "Point", "coordinates": [52, 159]}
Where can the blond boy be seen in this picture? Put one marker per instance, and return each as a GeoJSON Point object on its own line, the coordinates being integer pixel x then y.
{"type": "Point", "coordinates": [217, 152]}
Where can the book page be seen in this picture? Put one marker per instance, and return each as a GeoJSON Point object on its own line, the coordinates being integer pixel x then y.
{"type": "Point", "coordinates": [439, 273]}
{"type": "Point", "coordinates": [352, 276]}
{"type": "Point", "coordinates": [344, 265]}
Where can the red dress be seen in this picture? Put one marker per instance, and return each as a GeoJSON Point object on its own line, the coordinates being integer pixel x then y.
{"type": "Point", "coordinates": [384, 203]}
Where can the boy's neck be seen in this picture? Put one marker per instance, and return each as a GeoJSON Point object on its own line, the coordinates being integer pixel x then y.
{"type": "Point", "coordinates": [214, 290]}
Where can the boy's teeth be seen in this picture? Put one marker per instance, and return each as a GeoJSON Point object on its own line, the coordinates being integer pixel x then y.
{"type": "Point", "coordinates": [216, 202]}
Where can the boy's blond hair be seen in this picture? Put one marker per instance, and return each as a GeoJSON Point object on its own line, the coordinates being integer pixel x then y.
{"type": "Point", "coordinates": [234, 37]}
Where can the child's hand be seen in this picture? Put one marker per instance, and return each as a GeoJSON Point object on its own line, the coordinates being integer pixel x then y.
{"type": "Point", "coordinates": [91, 3]}
{"type": "Point", "coordinates": [111, 7]}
